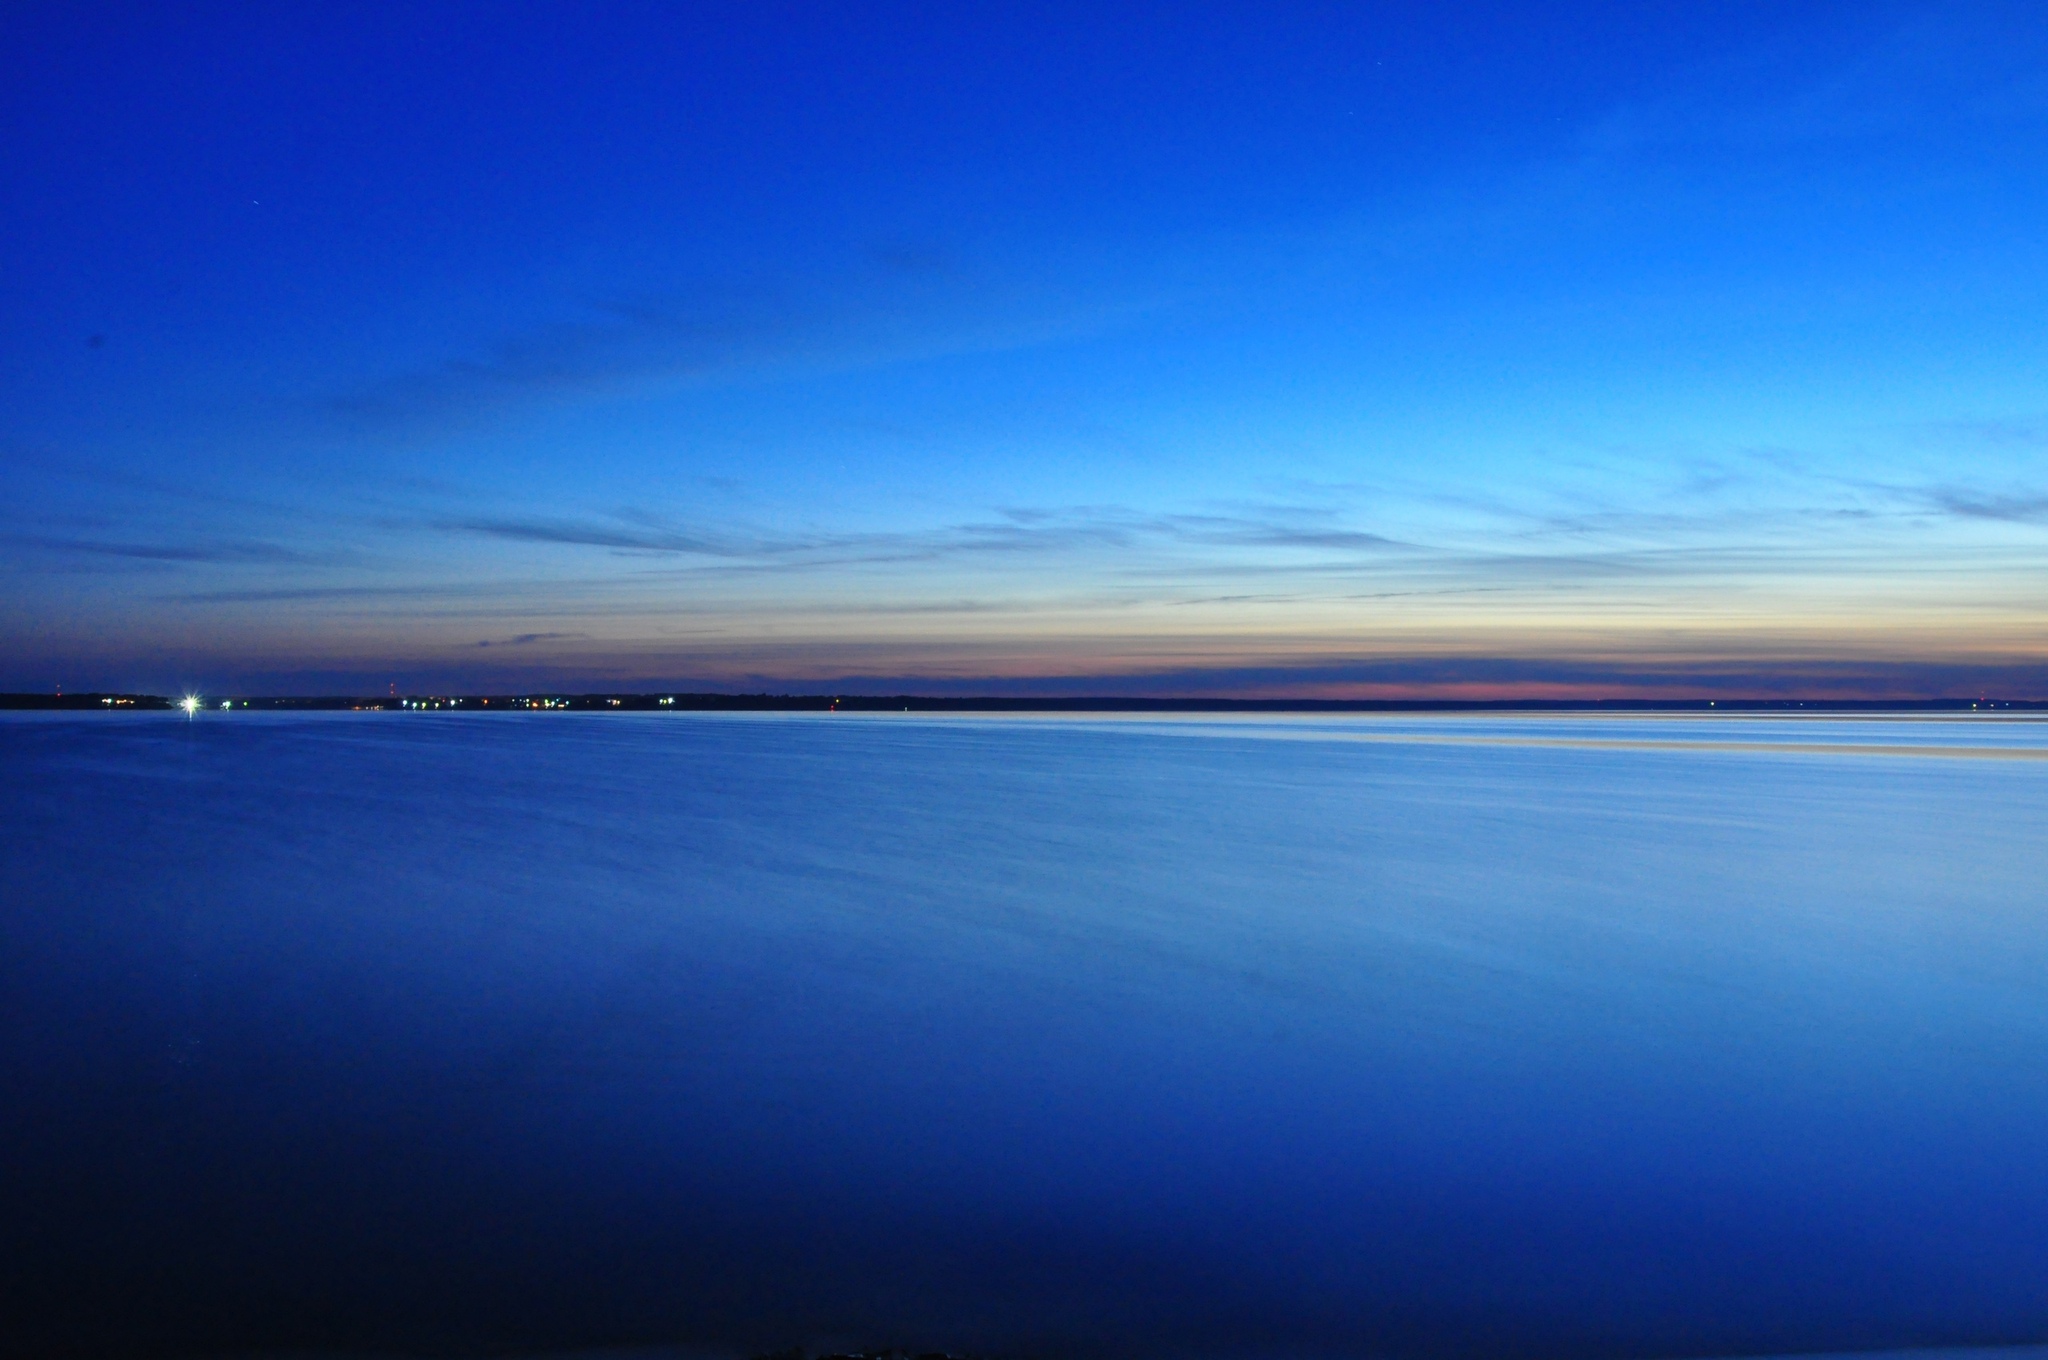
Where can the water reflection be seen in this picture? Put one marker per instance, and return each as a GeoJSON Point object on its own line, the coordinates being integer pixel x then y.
{"type": "Point", "coordinates": [1280, 1037]}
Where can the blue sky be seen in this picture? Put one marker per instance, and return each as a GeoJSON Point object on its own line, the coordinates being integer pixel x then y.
{"type": "Point", "coordinates": [1337, 350]}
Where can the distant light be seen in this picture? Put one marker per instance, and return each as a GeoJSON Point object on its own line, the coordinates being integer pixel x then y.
{"type": "Point", "coordinates": [227, 703]}
{"type": "Point", "coordinates": [190, 703]}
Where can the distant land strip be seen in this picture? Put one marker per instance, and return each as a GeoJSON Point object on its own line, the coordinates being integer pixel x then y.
{"type": "Point", "coordinates": [675, 702]}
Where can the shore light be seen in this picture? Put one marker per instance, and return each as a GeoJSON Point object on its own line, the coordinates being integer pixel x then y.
{"type": "Point", "coordinates": [190, 703]}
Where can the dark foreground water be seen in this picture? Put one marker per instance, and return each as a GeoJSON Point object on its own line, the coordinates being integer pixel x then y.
{"type": "Point", "coordinates": [1563, 1037]}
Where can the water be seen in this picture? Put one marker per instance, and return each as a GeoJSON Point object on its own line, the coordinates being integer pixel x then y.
{"type": "Point", "coordinates": [1541, 1037]}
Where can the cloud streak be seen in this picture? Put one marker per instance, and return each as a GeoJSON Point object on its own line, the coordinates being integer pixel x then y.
{"type": "Point", "coordinates": [885, 302]}
{"type": "Point", "coordinates": [528, 639]}
{"type": "Point", "coordinates": [198, 551]}
{"type": "Point", "coordinates": [2017, 508]}
{"type": "Point", "coordinates": [1014, 531]}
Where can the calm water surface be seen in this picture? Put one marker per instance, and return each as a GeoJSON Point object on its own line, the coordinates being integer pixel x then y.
{"type": "Point", "coordinates": [1532, 1037]}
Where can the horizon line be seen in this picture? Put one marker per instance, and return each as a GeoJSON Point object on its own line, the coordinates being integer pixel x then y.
{"type": "Point", "coordinates": [761, 701]}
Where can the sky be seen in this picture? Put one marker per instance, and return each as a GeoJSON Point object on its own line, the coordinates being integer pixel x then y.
{"type": "Point", "coordinates": [1372, 351]}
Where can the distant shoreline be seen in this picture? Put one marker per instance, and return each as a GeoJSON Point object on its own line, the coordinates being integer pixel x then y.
{"type": "Point", "coordinates": [100, 701]}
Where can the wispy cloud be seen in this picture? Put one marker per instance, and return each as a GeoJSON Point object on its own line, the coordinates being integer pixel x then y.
{"type": "Point", "coordinates": [2020, 507]}
{"type": "Point", "coordinates": [201, 550]}
{"type": "Point", "coordinates": [881, 303]}
{"type": "Point", "coordinates": [588, 533]}
{"type": "Point", "coordinates": [1016, 530]}
{"type": "Point", "coordinates": [1908, 72]}
{"type": "Point", "coordinates": [527, 639]}
{"type": "Point", "coordinates": [289, 593]}
{"type": "Point", "coordinates": [611, 343]}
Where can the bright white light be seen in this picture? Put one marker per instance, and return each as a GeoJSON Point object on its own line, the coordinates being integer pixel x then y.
{"type": "Point", "coordinates": [227, 703]}
{"type": "Point", "coordinates": [190, 703]}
